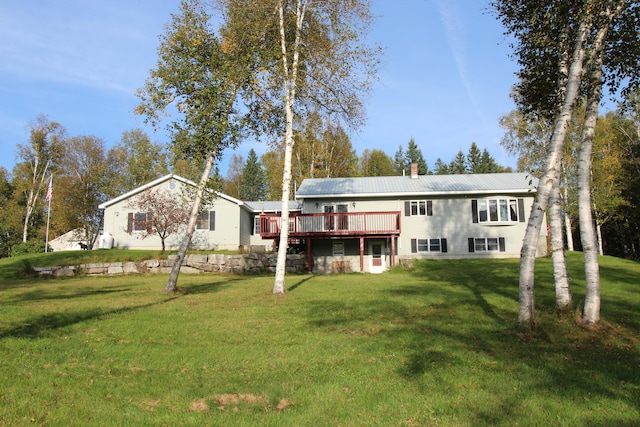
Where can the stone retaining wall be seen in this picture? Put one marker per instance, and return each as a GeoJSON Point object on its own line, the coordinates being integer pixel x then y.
{"type": "Point", "coordinates": [193, 264]}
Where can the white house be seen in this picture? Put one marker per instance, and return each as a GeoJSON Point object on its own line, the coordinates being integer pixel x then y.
{"type": "Point", "coordinates": [369, 224]}
{"type": "Point", "coordinates": [366, 224]}
{"type": "Point", "coordinates": [226, 224]}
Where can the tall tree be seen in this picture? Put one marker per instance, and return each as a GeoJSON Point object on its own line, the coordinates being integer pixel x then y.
{"type": "Point", "coordinates": [440, 167]}
{"type": "Point", "coordinates": [134, 162]}
{"type": "Point", "coordinates": [201, 77]}
{"type": "Point", "coordinates": [399, 161]}
{"type": "Point", "coordinates": [553, 43]}
{"type": "Point", "coordinates": [474, 159]}
{"type": "Point", "coordinates": [375, 162]}
{"type": "Point", "coordinates": [254, 182]}
{"type": "Point", "coordinates": [82, 181]}
{"type": "Point", "coordinates": [414, 155]}
{"type": "Point", "coordinates": [459, 164]}
{"type": "Point", "coordinates": [317, 61]}
{"type": "Point", "coordinates": [40, 156]}
{"type": "Point", "coordinates": [232, 183]}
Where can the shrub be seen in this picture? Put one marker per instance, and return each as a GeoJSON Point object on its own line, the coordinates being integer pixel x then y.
{"type": "Point", "coordinates": [30, 247]}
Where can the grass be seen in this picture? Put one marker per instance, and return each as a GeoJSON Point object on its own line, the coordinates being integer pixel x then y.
{"type": "Point", "coordinates": [436, 346]}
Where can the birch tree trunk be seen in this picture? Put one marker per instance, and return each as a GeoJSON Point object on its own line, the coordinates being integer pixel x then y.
{"type": "Point", "coordinates": [172, 283]}
{"type": "Point", "coordinates": [591, 314]}
{"type": "Point", "coordinates": [567, 223]}
{"type": "Point", "coordinates": [561, 277]}
{"type": "Point", "coordinates": [526, 313]}
{"type": "Point", "coordinates": [290, 73]}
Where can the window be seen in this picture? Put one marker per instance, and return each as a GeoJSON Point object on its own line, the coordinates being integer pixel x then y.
{"type": "Point", "coordinates": [206, 221]}
{"type": "Point", "coordinates": [497, 210]}
{"type": "Point", "coordinates": [256, 224]}
{"type": "Point", "coordinates": [418, 208]}
{"type": "Point", "coordinates": [139, 221]}
{"type": "Point", "coordinates": [487, 244]}
{"type": "Point", "coordinates": [428, 245]}
{"type": "Point", "coordinates": [338, 248]}
{"type": "Point", "coordinates": [336, 222]}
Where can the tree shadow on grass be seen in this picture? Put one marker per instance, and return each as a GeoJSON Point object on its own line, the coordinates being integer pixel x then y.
{"type": "Point", "coordinates": [299, 283]}
{"type": "Point", "coordinates": [42, 294]}
{"type": "Point", "coordinates": [208, 287]}
{"type": "Point", "coordinates": [51, 322]}
{"type": "Point", "coordinates": [448, 323]}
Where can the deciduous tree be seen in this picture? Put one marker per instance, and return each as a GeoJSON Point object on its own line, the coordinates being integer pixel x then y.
{"type": "Point", "coordinates": [314, 60]}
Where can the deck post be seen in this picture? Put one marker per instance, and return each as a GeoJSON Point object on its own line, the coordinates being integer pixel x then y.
{"type": "Point", "coordinates": [309, 255]}
{"type": "Point", "coordinates": [361, 254]}
{"type": "Point", "coordinates": [393, 251]}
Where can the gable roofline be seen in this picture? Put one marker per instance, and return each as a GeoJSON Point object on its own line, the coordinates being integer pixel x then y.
{"type": "Point", "coordinates": [160, 181]}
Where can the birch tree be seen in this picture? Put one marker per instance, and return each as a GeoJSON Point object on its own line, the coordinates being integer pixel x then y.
{"type": "Point", "coordinates": [316, 60]}
{"type": "Point", "coordinates": [39, 156]}
{"type": "Point", "coordinates": [542, 57]}
{"type": "Point", "coordinates": [199, 77]}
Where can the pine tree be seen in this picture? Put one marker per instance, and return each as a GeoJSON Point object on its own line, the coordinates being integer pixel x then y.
{"type": "Point", "coordinates": [254, 180]}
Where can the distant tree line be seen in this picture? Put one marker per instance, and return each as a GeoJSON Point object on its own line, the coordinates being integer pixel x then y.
{"type": "Point", "coordinates": [323, 150]}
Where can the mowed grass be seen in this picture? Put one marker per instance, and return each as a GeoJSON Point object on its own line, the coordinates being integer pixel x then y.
{"type": "Point", "coordinates": [436, 346]}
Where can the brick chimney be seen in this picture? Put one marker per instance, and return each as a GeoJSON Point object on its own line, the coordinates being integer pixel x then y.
{"type": "Point", "coordinates": [414, 170]}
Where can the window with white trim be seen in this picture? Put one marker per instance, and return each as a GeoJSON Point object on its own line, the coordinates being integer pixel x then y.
{"type": "Point", "coordinates": [418, 208]}
{"type": "Point", "coordinates": [497, 210]}
{"type": "Point", "coordinates": [428, 245]}
{"type": "Point", "coordinates": [487, 244]}
{"type": "Point", "coordinates": [206, 221]}
{"type": "Point", "coordinates": [256, 224]}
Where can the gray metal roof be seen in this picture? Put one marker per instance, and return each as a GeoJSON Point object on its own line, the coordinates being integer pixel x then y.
{"type": "Point", "coordinates": [394, 186]}
{"type": "Point", "coordinates": [272, 206]}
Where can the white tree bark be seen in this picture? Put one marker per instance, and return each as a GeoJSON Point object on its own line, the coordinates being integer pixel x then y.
{"type": "Point", "coordinates": [526, 313]}
{"type": "Point", "coordinates": [290, 80]}
{"type": "Point", "coordinates": [172, 283]}
{"type": "Point", "coordinates": [560, 274]}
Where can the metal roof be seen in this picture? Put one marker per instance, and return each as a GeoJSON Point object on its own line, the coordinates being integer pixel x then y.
{"type": "Point", "coordinates": [427, 185]}
{"type": "Point", "coordinates": [272, 206]}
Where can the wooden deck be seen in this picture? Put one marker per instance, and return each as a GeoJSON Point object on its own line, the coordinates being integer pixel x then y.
{"type": "Point", "coordinates": [326, 225]}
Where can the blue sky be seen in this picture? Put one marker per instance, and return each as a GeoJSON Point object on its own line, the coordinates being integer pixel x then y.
{"type": "Point", "coordinates": [445, 78]}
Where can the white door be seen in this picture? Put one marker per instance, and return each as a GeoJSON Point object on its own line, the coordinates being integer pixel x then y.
{"type": "Point", "coordinates": [377, 259]}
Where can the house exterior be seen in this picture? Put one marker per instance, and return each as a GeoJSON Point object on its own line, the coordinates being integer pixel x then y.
{"type": "Point", "coordinates": [370, 224]}
{"type": "Point", "coordinates": [226, 223]}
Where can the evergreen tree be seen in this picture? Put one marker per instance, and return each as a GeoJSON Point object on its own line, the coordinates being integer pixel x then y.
{"type": "Point", "coordinates": [441, 168]}
{"type": "Point", "coordinates": [459, 164]}
{"type": "Point", "coordinates": [414, 155]}
{"type": "Point", "coordinates": [254, 181]}
{"type": "Point", "coordinates": [474, 158]}
{"type": "Point", "coordinates": [399, 162]}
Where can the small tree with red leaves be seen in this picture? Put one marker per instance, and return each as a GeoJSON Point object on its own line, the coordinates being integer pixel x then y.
{"type": "Point", "coordinates": [161, 213]}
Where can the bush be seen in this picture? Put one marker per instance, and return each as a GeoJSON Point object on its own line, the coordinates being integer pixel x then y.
{"type": "Point", "coordinates": [30, 247]}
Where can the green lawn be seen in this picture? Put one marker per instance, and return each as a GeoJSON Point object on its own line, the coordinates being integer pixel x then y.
{"type": "Point", "coordinates": [437, 346]}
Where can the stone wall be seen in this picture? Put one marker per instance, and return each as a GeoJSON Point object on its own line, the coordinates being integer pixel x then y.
{"type": "Point", "coordinates": [193, 264]}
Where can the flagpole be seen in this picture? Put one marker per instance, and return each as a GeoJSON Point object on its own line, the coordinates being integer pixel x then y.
{"type": "Point", "coordinates": [49, 194]}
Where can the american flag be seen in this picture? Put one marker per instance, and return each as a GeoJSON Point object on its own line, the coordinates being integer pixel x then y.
{"type": "Point", "coordinates": [49, 190]}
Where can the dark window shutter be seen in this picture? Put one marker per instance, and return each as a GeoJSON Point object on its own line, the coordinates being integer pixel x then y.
{"type": "Point", "coordinates": [474, 211]}
{"type": "Point", "coordinates": [414, 246]}
{"type": "Point", "coordinates": [130, 222]}
{"type": "Point", "coordinates": [149, 222]}
{"type": "Point", "coordinates": [212, 220]}
{"type": "Point", "coordinates": [521, 210]}
{"type": "Point", "coordinates": [443, 245]}
{"type": "Point", "coordinates": [429, 208]}
{"type": "Point", "coordinates": [253, 225]}
{"type": "Point", "coordinates": [407, 208]}
{"type": "Point", "coordinates": [502, 244]}
{"type": "Point", "coordinates": [472, 246]}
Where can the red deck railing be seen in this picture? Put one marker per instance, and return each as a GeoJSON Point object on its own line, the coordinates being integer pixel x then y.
{"type": "Point", "coordinates": [332, 224]}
